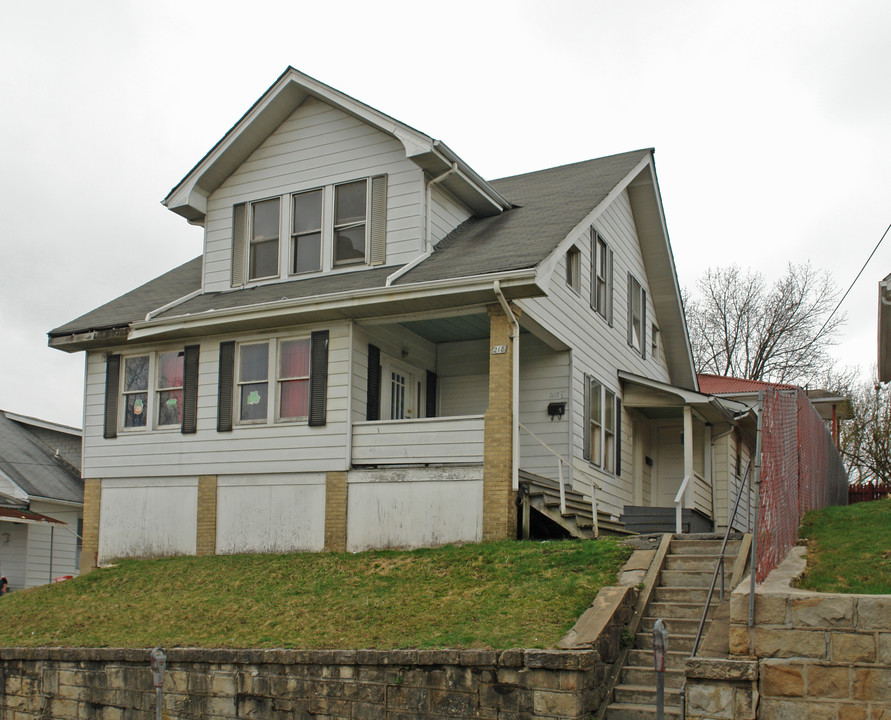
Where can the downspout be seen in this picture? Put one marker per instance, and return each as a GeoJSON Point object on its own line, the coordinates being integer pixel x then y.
{"type": "Point", "coordinates": [515, 386]}
{"type": "Point", "coordinates": [427, 202]}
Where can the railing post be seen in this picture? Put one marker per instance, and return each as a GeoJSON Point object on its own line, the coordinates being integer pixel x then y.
{"type": "Point", "coordinates": [562, 489]}
{"type": "Point", "coordinates": [595, 527]}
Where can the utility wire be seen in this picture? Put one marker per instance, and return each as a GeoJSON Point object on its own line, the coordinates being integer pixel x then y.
{"type": "Point", "coordinates": [855, 280]}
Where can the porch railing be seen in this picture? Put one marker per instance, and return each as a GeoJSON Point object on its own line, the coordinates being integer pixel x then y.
{"type": "Point", "coordinates": [561, 461]}
{"type": "Point", "coordinates": [419, 441]}
{"type": "Point", "coordinates": [679, 504]}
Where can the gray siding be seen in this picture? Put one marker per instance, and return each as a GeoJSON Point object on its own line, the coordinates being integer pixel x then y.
{"type": "Point", "coordinates": [45, 538]}
{"type": "Point", "coordinates": [13, 554]}
{"type": "Point", "coordinates": [446, 213]}
{"type": "Point", "coordinates": [317, 145]}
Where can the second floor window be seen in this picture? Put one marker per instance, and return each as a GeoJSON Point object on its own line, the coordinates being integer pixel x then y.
{"type": "Point", "coordinates": [601, 277]}
{"type": "Point", "coordinates": [637, 315]}
{"type": "Point", "coordinates": [264, 239]}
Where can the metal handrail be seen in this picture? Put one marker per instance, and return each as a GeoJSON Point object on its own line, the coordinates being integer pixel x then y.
{"type": "Point", "coordinates": [679, 505]}
{"type": "Point", "coordinates": [719, 566]}
{"type": "Point", "coordinates": [560, 462]}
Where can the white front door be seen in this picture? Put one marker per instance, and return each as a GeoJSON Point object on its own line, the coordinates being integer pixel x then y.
{"type": "Point", "coordinates": [402, 392]}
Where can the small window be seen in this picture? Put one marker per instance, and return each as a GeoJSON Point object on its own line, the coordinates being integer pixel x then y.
{"type": "Point", "coordinates": [601, 442]}
{"type": "Point", "coordinates": [573, 269]}
{"type": "Point", "coordinates": [264, 239]}
{"type": "Point", "coordinates": [350, 203]}
{"type": "Point", "coordinates": [135, 391]}
{"type": "Point", "coordinates": [654, 345]}
{"type": "Point", "coordinates": [637, 309]}
{"type": "Point", "coordinates": [293, 379]}
{"type": "Point", "coordinates": [601, 287]}
{"type": "Point", "coordinates": [306, 232]}
{"type": "Point", "coordinates": [253, 385]}
{"type": "Point", "coordinates": [170, 388]}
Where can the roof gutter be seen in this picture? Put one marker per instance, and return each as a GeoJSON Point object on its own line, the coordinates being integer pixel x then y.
{"type": "Point", "coordinates": [172, 304]}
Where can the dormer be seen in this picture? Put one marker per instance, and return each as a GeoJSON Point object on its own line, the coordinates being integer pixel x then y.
{"type": "Point", "coordinates": [312, 181]}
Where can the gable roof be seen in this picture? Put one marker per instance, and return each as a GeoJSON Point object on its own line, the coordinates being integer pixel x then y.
{"type": "Point", "coordinates": [32, 467]}
{"type": "Point", "coordinates": [284, 96]}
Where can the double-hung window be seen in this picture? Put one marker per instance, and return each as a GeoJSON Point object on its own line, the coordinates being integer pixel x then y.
{"type": "Point", "coordinates": [281, 366]}
{"type": "Point", "coordinates": [263, 262]}
{"type": "Point", "coordinates": [350, 214]}
{"type": "Point", "coordinates": [601, 277]}
{"type": "Point", "coordinates": [135, 390]}
{"type": "Point", "coordinates": [637, 315]}
{"type": "Point", "coordinates": [306, 231]}
{"type": "Point", "coordinates": [170, 388]}
{"type": "Point", "coordinates": [602, 415]}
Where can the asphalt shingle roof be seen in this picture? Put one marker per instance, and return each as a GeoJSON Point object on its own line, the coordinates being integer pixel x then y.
{"type": "Point", "coordinates": [33, 467]}
{"type": "Point", "coordinates": [548, 205]}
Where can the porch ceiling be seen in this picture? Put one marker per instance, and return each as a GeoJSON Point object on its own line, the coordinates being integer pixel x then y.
{"type": "Point", "coordinates": [451, 329]}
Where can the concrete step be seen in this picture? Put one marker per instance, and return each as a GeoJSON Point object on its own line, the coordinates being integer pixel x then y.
{"type": "Point", "coordinates": [674, 659]}
{"type": "Point", "coordinates": [702, 547]}
{"type": "Point", "coordinates": [674, 610]}
{"type": "Point", "coordinates": [645, 695]}
{"type": "Point", "coordinates": [675, 627]}
{"type": "Point", "coordinates": [700, 563]}
{"type": "Point", "coordinates": [691, 578]}
{"type": "Point", "coordinates": [646, 675]}
{"type": "Point", "coordinates": [683, 594]}
{"type": "Point", "coordinates": [628, 711]}
{"type": "Point", "coordinates": [676, 641]}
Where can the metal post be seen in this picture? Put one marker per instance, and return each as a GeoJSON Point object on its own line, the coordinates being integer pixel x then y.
{"type": "Point", "coordinates": [159, 666]}
{"type": "Point", "coordinates": [660, 644]}
{"type": "Point", "coordinates": [757, 480]}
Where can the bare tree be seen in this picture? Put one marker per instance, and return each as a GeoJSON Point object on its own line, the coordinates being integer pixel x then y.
{"type": "Point", "coordinates": [741, 327]}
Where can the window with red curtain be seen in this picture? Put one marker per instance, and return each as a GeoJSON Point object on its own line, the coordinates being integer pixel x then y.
{"type": "Point", "coordinates": [170, 388]}
{"type": "Point", "coordinates": [293, 379]}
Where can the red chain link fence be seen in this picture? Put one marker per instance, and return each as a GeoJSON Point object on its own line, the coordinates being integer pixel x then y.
{"type": "Point", "coordinates": [801, 470]}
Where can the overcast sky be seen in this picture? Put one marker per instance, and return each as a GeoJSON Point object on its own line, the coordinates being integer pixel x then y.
{"type": "Point", "coordinates": [771, 122]}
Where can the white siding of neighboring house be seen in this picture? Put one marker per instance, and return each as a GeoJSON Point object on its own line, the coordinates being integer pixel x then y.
{"type": "Point", "coordinates": [317, 145]}
{"type": "Point", "coordinates": [61, 539]}
{"type": "Point", "coordinates": [414, 507]}
{"type": "Point", "coordinates": [446, 213]}
{"type": "Point", "coordinates": [147, 517]}
{"type": "Point", "coordinates": [13, 553]}
{"type": "Point", "coordinates": [273, 513]}
{"type": "Point", "coordinates": [247, 450]}
{"type": "Point", "coordinates": [598, 349]}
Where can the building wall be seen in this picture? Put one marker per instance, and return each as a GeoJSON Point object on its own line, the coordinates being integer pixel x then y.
{"type": "Point", "coordinates": [13, 554]}
{"type": "Point", "coordinates": [52, 550]}
{"type": "Point", "coordinates": [317, 145]}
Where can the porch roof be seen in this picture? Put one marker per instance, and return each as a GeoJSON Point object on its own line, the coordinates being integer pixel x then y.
{"type": "Point", "coordinates": [658, 399]}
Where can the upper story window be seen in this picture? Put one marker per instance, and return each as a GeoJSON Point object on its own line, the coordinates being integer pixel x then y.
{"type": "Point", "coordinates": [574, 269]}
{"type": "Point", "coordinates": [637, 315]}
{"type": "Point", "coordinates": [329, 227]}
{"type": "Point", "coordinates": [654, 343]}
{"type": "Point", "coordinates": [601, 277]}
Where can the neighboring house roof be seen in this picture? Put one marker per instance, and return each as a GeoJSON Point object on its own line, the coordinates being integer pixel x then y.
{"type": "Point", "coordinates": [721, 385]}
{"type": "Point", "coordinates": [33, 468]}
{"type": "Point", "coordinates": [23, 516]}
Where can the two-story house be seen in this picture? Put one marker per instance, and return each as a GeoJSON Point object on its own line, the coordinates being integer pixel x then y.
{"type": "Point", "coordinates": [378, 347]}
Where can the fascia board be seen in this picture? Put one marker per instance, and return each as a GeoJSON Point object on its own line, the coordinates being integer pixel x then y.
{"type": "Point", "coordinates": [664, 287]}
{"type": "Point", "coordinates": [333, 302]}
{"type": "Point", "coordinates": [45, 424]}
{"type": "Point", "coordinates": [549, 264]}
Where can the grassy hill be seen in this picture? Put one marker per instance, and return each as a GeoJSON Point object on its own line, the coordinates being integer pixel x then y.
{"type": "Point", "coordinates": [849, 548]}
{"type": "Point", "coordinates": [497, 595]}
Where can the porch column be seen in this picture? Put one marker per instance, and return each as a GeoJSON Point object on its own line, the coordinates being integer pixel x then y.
{"type": "Point", "coordinates": [89, 548]}
{"type": "Point", "coordinates": [499, 509]}
{"type": "Point", "coordinates": [688, 453]}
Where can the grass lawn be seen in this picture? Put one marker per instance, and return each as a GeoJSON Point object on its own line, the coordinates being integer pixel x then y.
{"type": "Point", "coordinates": [849, 548]}
{"type": "Point", "coordinates": [495, 595]}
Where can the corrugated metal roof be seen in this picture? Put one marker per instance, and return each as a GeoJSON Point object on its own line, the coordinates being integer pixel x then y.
{"type": "Point", "coordinates": [13, 515]}
{"type": "Point", "coordinates": [34, 467]}
{"type": "Point", "coordinates": [719, 384]}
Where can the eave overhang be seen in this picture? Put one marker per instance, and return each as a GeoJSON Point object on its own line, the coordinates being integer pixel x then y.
{"type": "Point", "coordinates": [189, 197]}
{"type": "Point", "coordinates": [643, 394]}
{"type": "Point", "coordinates": [353, 304]}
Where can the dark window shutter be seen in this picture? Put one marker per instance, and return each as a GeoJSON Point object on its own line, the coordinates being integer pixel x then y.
{"type": "Point", "coordinates": [643, 323]}
{"type": "Point", "coordinates": [318, 378]}
{"type": "Point", "coordinates": [190, 390]}
{"type": "Point", "coordinates": [586, 420]}
{"type": "Point", "coordinates": [630, 312]}
{"type": "Point", "coordinates": [609, 288]}
{"type": "Point", "coordinates": [225, 383]}
{"type": "Point", "coordinates": [373, 399]}
{"type": "Point", "coordinates": [430, 410]}
{"type": "Point", "coordinates": [378, 220]}
{"type": "Point", "coordinates": [238, 251]}
{"type": "Point", "coordinates": [112, 385]}
{"type": "Point", "coordinates": [618, 436]}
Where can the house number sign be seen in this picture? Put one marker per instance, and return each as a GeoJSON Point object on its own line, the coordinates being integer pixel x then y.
{"type": "Point", "coordinates": [499, 349]}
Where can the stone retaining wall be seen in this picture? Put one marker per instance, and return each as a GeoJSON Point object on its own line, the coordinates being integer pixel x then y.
{"type": "Point", "coordinates": [821, 656]}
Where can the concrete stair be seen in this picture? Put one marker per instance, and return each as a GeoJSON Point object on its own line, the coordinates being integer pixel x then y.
{"type": "Point", "coordinates": [543, 496]}
{"type": "Point", "coordinates": [677, 599]}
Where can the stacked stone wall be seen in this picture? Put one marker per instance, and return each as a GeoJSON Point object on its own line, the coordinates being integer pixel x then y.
{"type": "Point", "coordinates": [116, 684]}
